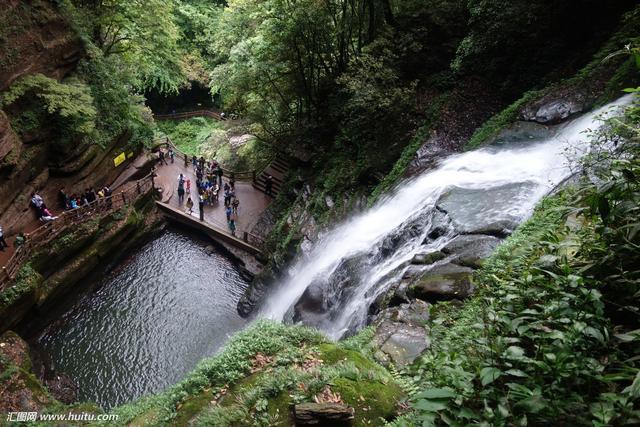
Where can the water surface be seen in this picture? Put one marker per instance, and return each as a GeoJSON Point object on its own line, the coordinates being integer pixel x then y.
{"type": "Point", "coordinates": [149, 323]}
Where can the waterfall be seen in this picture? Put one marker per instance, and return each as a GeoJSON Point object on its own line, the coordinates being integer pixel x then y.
{"type": "Point", "coordinates": [352, 264]}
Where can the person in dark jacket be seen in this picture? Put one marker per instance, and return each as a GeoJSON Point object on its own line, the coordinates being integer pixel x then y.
{"type": "Point", "coordinates": [3, 242]}
{"type": "Point", "coordinates": [63, 199]}
{"type": "Point", "coordinates": [268, 185]}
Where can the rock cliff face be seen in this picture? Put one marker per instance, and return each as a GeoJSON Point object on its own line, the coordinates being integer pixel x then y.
{"type": "Point", "coordinates": [21, 390]}
{"type": "Point", "coordinates": [36, 39]}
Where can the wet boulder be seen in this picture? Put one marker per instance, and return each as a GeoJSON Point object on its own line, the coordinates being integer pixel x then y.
{"type": "Point", "coordinates": [322, 299]}
{"type": "Point", "coordinates": [401, 333]}
{"type": "Point", "coordinates": [485, 210]}
{"type": "Point", "coordinates": [440, 225]}
{"type": "Point", "coordinates": [448, 282]}
{"type": "Point", "coordinates": [312, 306]}
{"type": "Point", "coordinates": [554, 111]}
{"type": "Point", "coordinates": [471, 250]}
{"type": "Point", "coordinates": [427, 258]}
{"type": "Point", "coordinates": [399, 237]}
{"type": "Point", "coordinates": [522, 131]}
{"type": "Point", "coordinates": [252, 297]}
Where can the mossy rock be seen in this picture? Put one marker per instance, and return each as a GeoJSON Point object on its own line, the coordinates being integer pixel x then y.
{"type": "Point", "coordinates": [279, 409]}
{"type": "Point", "coordinates": [21, 389]}
{"type": "Point", "coordinates": [428, 258]}
{"type": "Point", "coordinates": [192, 406]}
{"type": "Point", "coordinates": [443, 286]}
{"type": "Point", "coordinates": [18, 297]}
{"type": "Point", "coordinates": [373, 401]}
{"type": "Point", "coordinates": [332, 354]}
{"type": "Point", "coordinates": [148, 418]}
{"type": "Point", "coordinates": [16, 350]}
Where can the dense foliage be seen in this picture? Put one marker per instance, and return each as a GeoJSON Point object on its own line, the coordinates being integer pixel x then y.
{"type": "Point", "coordinates": [68, 106]}
{"type": "Point", "coordinates": [552, 337]}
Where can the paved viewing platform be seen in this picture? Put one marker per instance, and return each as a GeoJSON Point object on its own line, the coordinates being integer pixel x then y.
{"type": "Point", "coordinates": [253, 202]}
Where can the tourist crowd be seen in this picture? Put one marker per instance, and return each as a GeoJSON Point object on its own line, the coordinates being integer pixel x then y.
{"type": "Point", "coordinates": [209, 185]}
{"type": "Point", "coordinates": [74, 201]}
{"type": "Point", "coordinates": [65, 202]}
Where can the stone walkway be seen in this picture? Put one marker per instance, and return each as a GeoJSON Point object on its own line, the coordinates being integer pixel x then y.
{"type": "Point", "coordinates": [252, 201]}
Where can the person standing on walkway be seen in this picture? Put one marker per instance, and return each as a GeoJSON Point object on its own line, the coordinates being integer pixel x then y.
{"type": "Point", "coordinates": [227, 198]}
{"type": "Point", "coordinates": [220, 174]}
{"type": "Point", "coordinates": [189, 205]}
{"type": "Point", "coordinates": [161, 158]}
{"type": "Point", "coordinates": [180, 189]}
{"type": "Point", "coordinates": [171, 154]}
{"type": "Point", "coordinates": [232, 226]}
{"type": "Point", "coordinates": [194, 162]}
{"type": "Point", "coordinates": [63, 199]}
{"type": "Point", "coordinates": [38, 204]}
{"type": "Point", "coordinates": [3, 242]}
{"type": "Point", "coordinates": [235, 205]}
{"type": "Point", "coordinates": [201, 207]}
{"type": "Point", "coordinates": [268, 185]}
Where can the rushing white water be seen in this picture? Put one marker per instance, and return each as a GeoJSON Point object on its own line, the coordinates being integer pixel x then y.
{"type": "Point", "coordinates": [353, 263]}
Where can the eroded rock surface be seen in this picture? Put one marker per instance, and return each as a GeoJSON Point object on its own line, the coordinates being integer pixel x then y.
{"type": "Point", "coordinates": [401, 335]}
{"type": "Point", "coordinates": [471, 249]}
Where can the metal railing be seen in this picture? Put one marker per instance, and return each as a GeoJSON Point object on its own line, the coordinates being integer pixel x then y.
{"type": "Point", "coordinates": [189, 114]}
{"type": "Point", "coordinates": [49, 230]}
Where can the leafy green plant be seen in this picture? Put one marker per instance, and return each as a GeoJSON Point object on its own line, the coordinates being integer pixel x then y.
{"type": "Point", "coordinates": [69, 104]}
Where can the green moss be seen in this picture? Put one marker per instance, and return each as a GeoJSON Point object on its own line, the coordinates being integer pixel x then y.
{"type": "Point", "coordinates": [373, 401]}
{"type": "Point", "coordinates": [279, 409]}
{"type": "Point", "coordinates": [332, 354]}
{"type": "Point", "coordinates": [192, 406]}
{"type": "Point", "coordinates": [238, 388]}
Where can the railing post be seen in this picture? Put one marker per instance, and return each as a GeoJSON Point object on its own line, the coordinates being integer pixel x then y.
{"type": "Point", "coordinates": [245, 237]}
{"type": "Point", "coordinates": [253, 176]}
{"type": "Point", "coordinates": [138, 186]}
{"type": "Point", "coordinates": [124, 199]}
{"type": "Point", "coordinates": [185, 160]}
{"type": "Point", "coordinates": [5, 273]}
{"type": "Point", "coordinates": [153, 183]}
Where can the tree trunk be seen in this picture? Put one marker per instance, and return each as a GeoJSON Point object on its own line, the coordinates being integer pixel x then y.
{"type": "Point", "coordinates": [388, 13]}
{"type": "Point", "coordinates": [372, 21]}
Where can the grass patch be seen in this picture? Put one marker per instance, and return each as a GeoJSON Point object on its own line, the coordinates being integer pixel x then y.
{"type": "Point", "coordinates": [261, 373]}
{"type": "Point", "coordinates": [189, 135]}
